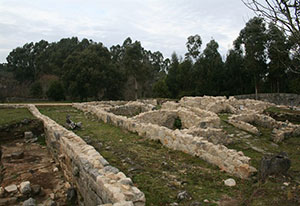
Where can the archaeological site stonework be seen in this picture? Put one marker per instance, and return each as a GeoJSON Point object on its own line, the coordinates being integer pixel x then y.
{"type": "Point", "coordinates": [200, 134]}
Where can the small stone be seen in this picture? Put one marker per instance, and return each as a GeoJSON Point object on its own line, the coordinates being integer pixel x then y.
{"type": "Point", "coordinates": [67, 185]}
{"type": "Point", "coordinates": [36, 189]}
{"type": "Point", "coordinates": [28, 135]}
{"type": "Point", "coordinates": [49, 202]}
{"type": "Point", "coordinates": [25, 121]}
{"type": "Point", "coordinates": [55, 169]}
{"type": "Point", "coordinates": [111, 169]}
{"type": "Point", "coordinates": [71, 195]}
{"type": "Point", "coordinates": [1, 192]}
{"type": "Point", "coordinates": [30, 202]}
{"type": "Point", "coordinates": [11, 189]}
{"type": "Point", "coordinates": [25, 188]}
{"type": "Point", "coordinates": [52, 196]}
{"type": "Point", "coordinates": [182, 195]}
{"type": "Point", "coordinates": [230, 182]}
{"type": "Point", "coordinates": [126, 181]}
{"type": "Point", "coordinates": [195, 204]}
{"type": "Point", "coordinates": [17, 155]}
{"type": "Point", "coordinates": [8, 201]}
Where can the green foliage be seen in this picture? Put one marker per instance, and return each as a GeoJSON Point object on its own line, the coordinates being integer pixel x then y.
{"type": "Point", "coordinates": [55, 91]}
{"type": "Point", "coordinates": [160, 89]}
{"type": "Point", "coordinates": [254, 40]}
{"type": "Point", "coordinates": [193, 46]}
{"type": "Point", "coordinates": [36, 89]}
{"type": "Point", "coordinates": [262, 60]}
{"type": "Point", "coordinates": [177, 123]}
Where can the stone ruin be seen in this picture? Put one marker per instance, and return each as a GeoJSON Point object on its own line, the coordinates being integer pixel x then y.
{"type": "Point", "coordinates": [200, 135]}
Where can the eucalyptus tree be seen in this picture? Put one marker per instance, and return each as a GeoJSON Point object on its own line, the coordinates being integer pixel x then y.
{"type": "Point", "coordinates": [279, 60]}
{"type": "Point", "coordinates": [252, 40]}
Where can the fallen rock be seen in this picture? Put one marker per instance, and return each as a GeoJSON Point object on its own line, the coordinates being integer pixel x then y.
{"type": "Point", "coordinates": [11, 188]}
{"type": "Point", "coordinates": [183, 195]}
{"type": "Point", "coordinates": [28, 135]}
{"type": "Point", "coordinates": [25, 188]}
{"type": "Point", "coordinates": [35, 189]}
{"type": "Point", "coordinates": [1, 192]}
{"type": "Point", "coordinates": [52, 196]}
{"type": "Point", "coordinates": [49, 202]}
{"type": "Point", "coordinates": [230, 182]}
{"type": "Point", "coordinates": [29, 202]}
{"type": "Point", "coordinates": [274, 165]}
{"type": "Point", "coordinates": [195, 204]}
{"type": "Point", "coordinates": [17, 155]}
{"type": "Point", "coordinates": [8, 201]}
{"type": "Point", "coordinates": [71, 195]}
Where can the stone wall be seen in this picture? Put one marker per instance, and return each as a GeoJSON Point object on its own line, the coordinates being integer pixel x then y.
{"type": "Point", "coordinates": [96, 182]}
{"type": "Point", "coordinates": [276, 98]}
{"type": "Point", "coordinates": [229, 160]}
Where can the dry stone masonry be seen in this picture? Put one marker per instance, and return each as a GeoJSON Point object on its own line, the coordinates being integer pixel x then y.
{"type": "Point", "coordinates": [97, 182]}
{"type": "Point", "coordinates": [157, 125]}
{"type": "Point", "coordinates": [200, 134]}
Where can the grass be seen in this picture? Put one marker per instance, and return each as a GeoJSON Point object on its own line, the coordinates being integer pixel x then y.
{"type": "Point", "coordinates": [9, 116]}
{"type": "Point", "coordinates": [162, 173]}
{"type": "Point", "coordinates": [283, 114]}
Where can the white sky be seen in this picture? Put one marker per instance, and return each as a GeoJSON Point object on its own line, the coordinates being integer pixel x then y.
{"type": "Point", "coordinates": [160, 25]}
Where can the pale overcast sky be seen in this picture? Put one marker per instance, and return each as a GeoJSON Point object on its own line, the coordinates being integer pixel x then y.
{"type": "Point", "coordinates": [160, 25]}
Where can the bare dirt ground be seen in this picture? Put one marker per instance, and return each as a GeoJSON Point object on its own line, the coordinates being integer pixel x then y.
{"type": "Point", "coordinates": [32, 162]}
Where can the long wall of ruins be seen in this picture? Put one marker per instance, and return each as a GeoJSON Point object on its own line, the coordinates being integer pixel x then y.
{"type": "Point", "coordinates": [96, 181]}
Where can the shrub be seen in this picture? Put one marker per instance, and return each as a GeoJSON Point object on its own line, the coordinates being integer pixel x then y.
{"type": "Point", "coordinates": [36, 89]}
{"type": "Point", "coordinates": [177, 123]}
{"type": "Point", "coordinates": [56, 91]}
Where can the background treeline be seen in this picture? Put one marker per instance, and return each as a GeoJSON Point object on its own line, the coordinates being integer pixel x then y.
{"type": "Point", "coordinates": [264, 59]}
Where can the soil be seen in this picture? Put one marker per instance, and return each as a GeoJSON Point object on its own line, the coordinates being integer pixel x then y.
{"type": "Point", "coordinates": [16, 130]}
{"type": "Point", "coordinates": [31, 162]}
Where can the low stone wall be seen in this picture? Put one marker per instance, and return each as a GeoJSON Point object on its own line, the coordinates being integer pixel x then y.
{"type": "Point", "coordinates": [276, 98]}
{"type": "Point", "coordinates": [280, 130]}
{"type": "Point", "coordinates": [96, 182]}
{"type": "Point", "coordinates": [229, 160]}
{"type": "Point", "coordinates": [131, 109]}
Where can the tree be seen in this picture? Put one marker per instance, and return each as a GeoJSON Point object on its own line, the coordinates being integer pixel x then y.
{"type": "Point", "coordinates": [193, 46]}
{"type": "Point", "coordinates": [36, 89]}
{"type": "Point", "coordinates": [278, 54]}
{"type": "Point", "coordinates": [55, 91]}
{"type": "Point", "coordinates": [85, 73]}
{"type": "Point", "coordinates": [253, 40]}
{"type": "Point", "coordinates": [21, 62]}
{"type": "Point", "coordinates": [283, 13]}
{"type": "Point", "coordinates": [237, 78]}
{"type": "Point", "coordinates": [209, 71]}
{"type": "Point", "coordinates": [172, 79]}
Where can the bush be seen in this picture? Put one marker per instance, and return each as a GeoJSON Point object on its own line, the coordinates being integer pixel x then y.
{"type": "Point", "coordinates": [56, 91]}
{"type": "Point", "coordinates": [36, 89]}
{"type": "Point", "coordinates": [177, 123]}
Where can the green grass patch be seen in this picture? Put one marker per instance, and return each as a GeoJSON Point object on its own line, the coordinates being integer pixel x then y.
{"type": "Point", "coordinates": [9, 116]}
{"type": "Point", "coordinates": [162, 173]}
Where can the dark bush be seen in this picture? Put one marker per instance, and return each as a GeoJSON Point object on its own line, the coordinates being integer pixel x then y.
{"type": "Point", "coordinates": [56, 91]}
{"type": "Point", "coordinates": [36, 89]}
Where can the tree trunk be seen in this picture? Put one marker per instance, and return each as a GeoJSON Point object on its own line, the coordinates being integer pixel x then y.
{"type": "Point", "coordinates": [135, 88]}
{"type": "Point", "coordinates": [256, 89]}
{"type": "Point", "coordinates": [277, 86]}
